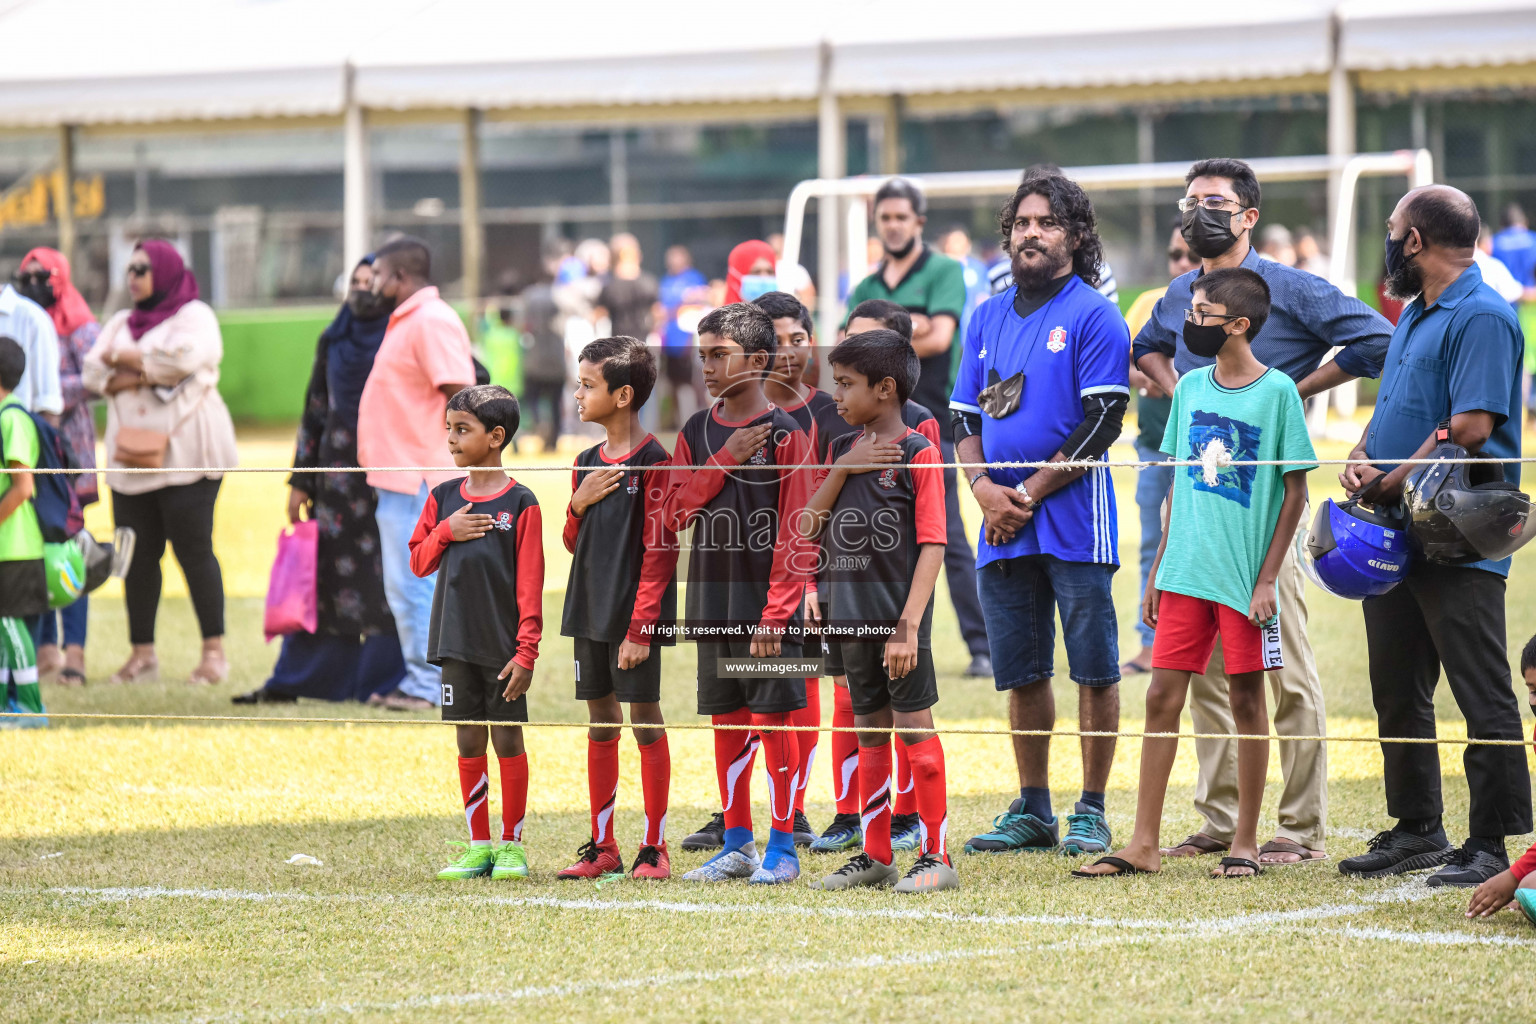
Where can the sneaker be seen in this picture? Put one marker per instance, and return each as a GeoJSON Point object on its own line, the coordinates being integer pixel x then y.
{"type": "Point", "coordinates": [511, 862]}
{"type": "Point", "coordinates": [929, 874]}
{"type": "Point", "coordinates": [842, 835]}
{"type": "Point", "coordinates": [740, 863]}
{"type": "Point", "coordinates": [1086, 833]}
{"type": "Point", "coordinates": [906, 832]}
{"type": "Point", "coordinates": [1395, 852]}
{"type": "Point", "coordinates": [862, 871]}
{"type": "Point", "coordinates": [710, 837]}
{"type": "Point", "coordinates": [804, 834]}
{"type": "Point", "coordinates": [1013, 833]}
{"type": "Point", "coordinates": [1467, 869]}
{"type": "Point", "coordinates": [652, 863]}
{"type": "Point", "coordinates": [786, 870]}
{"type": "Point", "coordinates": [1525, 899]}
{"type": "Point", "coordinates": [473, 862]}
{"type": "Point", "coordinates": [980, 667]}
{"type": "Point", "coordinates": [594, 862]}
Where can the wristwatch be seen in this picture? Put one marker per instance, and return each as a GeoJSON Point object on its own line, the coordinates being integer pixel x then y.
{"type": "Point", "coordinates": [1029, 502]}
{"type": "Point", "coordinates": [978, 476]}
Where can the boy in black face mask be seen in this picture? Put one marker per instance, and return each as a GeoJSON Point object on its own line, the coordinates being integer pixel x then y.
{"type": "Point", "coordinates": [1229, 527]}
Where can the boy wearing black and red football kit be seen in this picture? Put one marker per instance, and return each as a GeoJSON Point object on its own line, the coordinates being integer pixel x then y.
{"type": "Point", "coordinates": [621, 602]}
{"type": "Point", "coordinates": [882, 533]}
{"type": "Point", "coordinates": [747, 570]}
{"type": "Point", "coordinates": [481, 534]}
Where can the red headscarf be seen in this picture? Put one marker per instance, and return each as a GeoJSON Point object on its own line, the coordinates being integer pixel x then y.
{"type": "Point", "coordinates": [70, 311]}
{"type": "Point", "coordinates": [740, 262]}
{"type": "Point", "coordinates": [175, 286]}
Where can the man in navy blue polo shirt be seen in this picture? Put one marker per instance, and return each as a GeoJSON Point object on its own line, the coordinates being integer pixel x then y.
{"type": "Point", "coordinates": [1308, 317]}
{"type": "Point", "coordinates": [1455, 356]}
{"type": "Point", "coordinates": [1044, 377]}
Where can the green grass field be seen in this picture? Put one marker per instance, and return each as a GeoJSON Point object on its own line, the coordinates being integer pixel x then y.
{"type": "Point", "coordinates": [143, 874]}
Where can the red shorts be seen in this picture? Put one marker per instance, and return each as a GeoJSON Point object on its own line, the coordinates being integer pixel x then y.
{"type": "Point", "coordinates": [1187, 628]}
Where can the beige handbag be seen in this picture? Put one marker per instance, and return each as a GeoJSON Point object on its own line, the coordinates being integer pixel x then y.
{"type": "Point", "coordinates": [144, 447]}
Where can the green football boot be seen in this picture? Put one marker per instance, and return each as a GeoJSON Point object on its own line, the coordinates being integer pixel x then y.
{"type": "Point", "coordinates": [511, 862]}
{"type": "Point", "coordinates": [473, 862]}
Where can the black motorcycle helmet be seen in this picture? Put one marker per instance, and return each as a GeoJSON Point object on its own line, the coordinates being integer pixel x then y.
{"type": "Point", "coordinates": [1463, 512]}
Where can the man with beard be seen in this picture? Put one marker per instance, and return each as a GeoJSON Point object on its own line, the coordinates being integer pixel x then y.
{"type": "Point", "coordinates": [931, 287]}
{"type": "Point", "coordinates": [1308, 317]}
{"type": "Point", "coordinates": [1455, 357]}
{"type": "Point", "coordinates": [423, 361]}
{"type": "Point", "coordinates": [1044, 376]}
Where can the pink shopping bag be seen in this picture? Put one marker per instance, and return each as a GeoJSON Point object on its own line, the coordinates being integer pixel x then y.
{"type": "Point", "coordinates": [291, 602]}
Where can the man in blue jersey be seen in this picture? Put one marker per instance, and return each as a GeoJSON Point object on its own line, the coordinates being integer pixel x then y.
{"type": "Point", "coordinates": [1044, 376]}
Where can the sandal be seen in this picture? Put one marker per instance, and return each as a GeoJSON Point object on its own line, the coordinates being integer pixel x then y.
{"type": "Point", "coordinates": [1199, 844]}
{"type": "Point", "coordinates": [1134, 668]}
{"type": "Point", "coordinates": [1120, 864]}
{"type": "Point", "coordinates": [147, 671]}
{"type": "Point", "coordinates": [1237, 862]}
{"type": "Point", "coordinates": [70, 677]}
{"type": "Point", "coordinates": [1285, 846]}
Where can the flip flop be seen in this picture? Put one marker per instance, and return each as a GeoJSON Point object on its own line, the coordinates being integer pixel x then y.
{"type": "Point", "coordinates": [1287, 846]}
{"type": "Point", "coordinates": [1121, 866]}
{"type": "Point", "coordinates": [1134, 668]}
{"type": "Point", "coordinates": [1237, 862]}
{"type": "Point", "coordinates": [1202, 844]}
{"type": "Point", "coordinates": [71, 677]}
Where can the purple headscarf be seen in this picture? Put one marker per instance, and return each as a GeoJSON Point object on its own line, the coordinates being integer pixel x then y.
{"type": "Point", "coordinates": [175, 286]}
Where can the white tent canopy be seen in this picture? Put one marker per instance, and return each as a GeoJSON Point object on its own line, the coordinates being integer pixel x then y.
{"type": "Point", "coordinates": [90, 62]}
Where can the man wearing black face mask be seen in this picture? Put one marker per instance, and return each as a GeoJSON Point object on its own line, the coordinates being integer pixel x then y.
{"type": "Point", "coordinates": [1308, 318]}
{"type": "Point", "coordinates": [1456, 356]}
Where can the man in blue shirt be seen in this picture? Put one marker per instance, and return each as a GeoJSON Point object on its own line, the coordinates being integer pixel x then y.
{"type": "Point", "coordinates": [684, 297]}
{"type": "Point", "coordinates": [1043, 376]}
{"type": "Point", "coordinates": [1455, 356]}
{"type": "Point", "coordinates": [1308, 318]}
{"type": "Point", "coordinates": [1515, 246]}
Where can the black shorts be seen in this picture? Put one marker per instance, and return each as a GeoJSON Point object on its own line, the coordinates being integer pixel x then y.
{"type": "Point", "coordinates": [598, 673]}
{"type": "Point", "coordinates": [23, 588]}
{"type": "Point", "coordinates": [870, 689]}
{"type": "Point", "coordinates": [766, 695]}
{"type": "Point", "coordinates": [832, 658]}
{"type": "Point", "coordinates": [681, 366]}
{"type": "Point", "coordinates": [472, 693]}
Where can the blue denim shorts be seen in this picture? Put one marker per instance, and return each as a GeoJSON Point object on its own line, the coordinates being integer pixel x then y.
{"type": "Point", "coordinates": [1019, 598]}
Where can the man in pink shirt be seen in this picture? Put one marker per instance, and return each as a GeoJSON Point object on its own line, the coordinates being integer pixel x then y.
{"type": "Point", "coordinates": [424, 358]}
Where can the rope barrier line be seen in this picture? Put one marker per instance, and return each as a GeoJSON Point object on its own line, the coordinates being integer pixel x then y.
{"type": "Point", "coordinates": [565, 467]}
{"type": "Point", "coordinates": [701, 726]}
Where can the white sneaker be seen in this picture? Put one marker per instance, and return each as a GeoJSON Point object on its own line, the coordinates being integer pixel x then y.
{"type": "Point", "coordinates": [729, 864]}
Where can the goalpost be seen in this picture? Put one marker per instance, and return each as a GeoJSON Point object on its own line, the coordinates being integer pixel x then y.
{"type": "Point", "coordinates": [851, 223]}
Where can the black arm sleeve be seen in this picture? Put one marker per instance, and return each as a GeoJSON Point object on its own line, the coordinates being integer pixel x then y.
{"type": "Point", "coordinates": [1103, 414]}
{"type": "Point", "coordinates": [963, 424]}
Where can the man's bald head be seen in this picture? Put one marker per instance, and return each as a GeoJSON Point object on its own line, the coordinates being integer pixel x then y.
{"type": "Point", "coordinates": [1446, 217]}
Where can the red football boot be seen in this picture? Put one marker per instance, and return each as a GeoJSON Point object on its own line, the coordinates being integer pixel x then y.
{"type": "Point", "coordinates": [595, 862]}
{"type": "Point", "coordinates": [652, 863]}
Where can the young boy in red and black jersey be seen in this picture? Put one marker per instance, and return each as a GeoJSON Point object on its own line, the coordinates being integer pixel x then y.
{"type": "Point", "coordinates": [845, 831]}
{"type": "Point", "coordinates": [481, 535]}
{"type": "Point", "coordinates": [747, 570]}
{"type": "Point", "coordinates": [622, 588]}
{"type": "Point", "coordinates": [883, 543]}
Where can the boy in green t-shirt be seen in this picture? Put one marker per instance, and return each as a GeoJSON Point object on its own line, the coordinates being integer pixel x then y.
{"type": "Point", "coordinates": [23, 587]}
{"type": "Point", "coordinates": [1228, 528]}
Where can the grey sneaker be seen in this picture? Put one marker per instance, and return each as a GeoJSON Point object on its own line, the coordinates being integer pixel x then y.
{"type": "Point", "coordinates": [980, 667]}
{"type": "Point", "coordinates": [725, 866]}
{"type": "Point", "coordinates": [1467, 869]}
{"type": "Point", "coordinates": [929, 874]}
{"type": "Point", "coordinates": [861, 871]}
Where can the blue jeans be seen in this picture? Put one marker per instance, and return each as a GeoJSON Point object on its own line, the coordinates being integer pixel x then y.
{"type": "Point", "coordinates": [73, 616]}
{"type": "Point", "coordinates": [409, 596]}
{"type": "Point", "coordinates": [1151, 488]}
{"type": "Point", "coordinates": [1020, 596]}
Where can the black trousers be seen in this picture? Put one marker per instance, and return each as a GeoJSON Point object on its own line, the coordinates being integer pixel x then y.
{"type": "Point", "coordinates": [959, 559]}
{"type": "Point", "coordinates": [182, 515]}
{"type": "Point", "coordinates": [1450, 616]}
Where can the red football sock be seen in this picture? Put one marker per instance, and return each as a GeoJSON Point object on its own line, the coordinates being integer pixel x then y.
{"type": "Point", "coordinates": [735, 750]}
{"type": "Point", "coordinates": [603, 787]}
{"type": "Point", "coordinates": [875, 782]}
{"type": "Point", "coordinates": [845, 754]}
{"type": "Point", "coordinates": [514, 797]}
{"type": "Point", "coordinates": [781, 756]}
{"type": "Point", "coordinates": [810, 717]}
{"type": "Point", "coordinates": [655, 781]}
{"type": "Point", "coordinates": [932, 801]}
{"type": "Point", "coordinates": [906, 794]}
{"type": "Point", "coordinates": [475, 786]}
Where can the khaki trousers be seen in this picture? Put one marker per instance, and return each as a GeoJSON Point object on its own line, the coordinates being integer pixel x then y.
{"type": "Point", "coordinates": [1297, 711]}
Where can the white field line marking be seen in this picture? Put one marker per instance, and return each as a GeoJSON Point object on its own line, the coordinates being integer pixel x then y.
{"type": "Point", "coordinates": [1430, 938]}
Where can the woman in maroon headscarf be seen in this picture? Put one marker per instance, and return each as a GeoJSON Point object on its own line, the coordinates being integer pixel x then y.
{"type": "Point", "coordinates": [158, 365]}
{"type": "Point", "coordinates": [44, 278]}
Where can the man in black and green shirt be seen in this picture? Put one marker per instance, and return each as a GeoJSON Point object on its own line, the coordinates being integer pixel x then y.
{"type": "Point", "coordinates": [931, 287]}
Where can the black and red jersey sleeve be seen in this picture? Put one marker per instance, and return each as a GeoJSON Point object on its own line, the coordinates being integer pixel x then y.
{"type": "Point", "coordinates": [430, 538]}
{"type": "Point", "coordinates": [572, 521]}
{"type": "Point", "coordinates": [693, 487]}
{"type": "Point", "coordinates": [794, 557]}
{"type": "Point", "coordinates": [530, 585]}
{"type": "Point", "coordinates": [928, 500]}
{"type": "Point", "coordinates": [659, 562]}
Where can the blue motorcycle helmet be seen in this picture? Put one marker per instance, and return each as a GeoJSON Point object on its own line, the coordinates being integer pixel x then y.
{"type": "Point", "coordinates": [1356, 553]}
